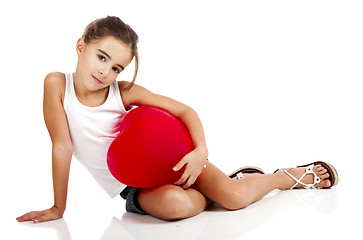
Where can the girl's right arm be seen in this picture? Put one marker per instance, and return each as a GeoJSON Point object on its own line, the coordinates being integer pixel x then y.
{"type": "Point", "coordinates": [56, 121]}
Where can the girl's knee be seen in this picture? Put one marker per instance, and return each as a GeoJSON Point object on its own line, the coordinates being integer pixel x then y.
{"type": "Point", "coordinates": [169, 203]}
{"type": "Point", "coordinates": [176, 205]}
{"type": "Point", "coordinates": [234, 198]}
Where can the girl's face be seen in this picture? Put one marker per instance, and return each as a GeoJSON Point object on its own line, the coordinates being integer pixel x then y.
{"type": "Point", "coordinates": [101, 61]}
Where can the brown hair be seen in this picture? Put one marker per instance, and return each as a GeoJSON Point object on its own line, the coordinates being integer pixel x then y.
{"type": "Point", "coordinates": [115, 27]}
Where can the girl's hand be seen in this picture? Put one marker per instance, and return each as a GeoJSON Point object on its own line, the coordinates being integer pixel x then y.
{"type": "Point", "coordinates": [194, 162]}
{"type": "Point", "coordinates": [42, 216]}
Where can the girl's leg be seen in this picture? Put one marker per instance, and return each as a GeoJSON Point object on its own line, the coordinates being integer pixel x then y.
{"type": "Point", "coordinates": [172, 202]}
{"type": "Point", "coordinates": [232, 194]}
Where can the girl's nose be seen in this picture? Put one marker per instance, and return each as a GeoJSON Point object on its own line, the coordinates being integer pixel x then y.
{"type": "Point", "coordinates": [104, 72]}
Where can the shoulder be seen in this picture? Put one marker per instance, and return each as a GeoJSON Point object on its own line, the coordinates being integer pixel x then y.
{"type": "Point", "coordinates": [123, 84]}
{"type": "Point", "coordinates": [55, 78]}
{"type": "Point", "coordinates": [125, 94]}
{"type": "Point", "coordinates": [131, 95]}
{"type": "Point", "coordinates": [54, 83]}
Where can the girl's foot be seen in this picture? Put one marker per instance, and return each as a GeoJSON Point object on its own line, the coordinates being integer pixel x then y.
{"type": "Point", "coordinates": [316, 175]}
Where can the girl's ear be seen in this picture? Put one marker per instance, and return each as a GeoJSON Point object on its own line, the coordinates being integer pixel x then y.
{"type": "Point", "coordinates": [80, 46]}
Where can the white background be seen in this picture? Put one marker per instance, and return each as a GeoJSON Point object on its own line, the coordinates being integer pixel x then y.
{"type": "Point", "coordinates": [275, 83]}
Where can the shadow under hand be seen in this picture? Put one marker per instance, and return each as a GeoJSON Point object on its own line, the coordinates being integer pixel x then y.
{"type": "Point", "coordinates": [60, 226]}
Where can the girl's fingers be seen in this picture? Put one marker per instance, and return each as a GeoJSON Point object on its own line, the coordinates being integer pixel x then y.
{"type": "Point", "coordinates": [36, 216]}
{"type": "Point", "coordinates": [43, 218]}
{"type": "Point", "coordinates": [190, 182]}
{"type": "Point", "coordinates": [28, 216]}
{"type": "Point", "coordinates": [180, 165]}
{"type": "Point", "coordinates": [180, 181]}
{"type": "Point", "coordinates": [187, 180]}
{"type": "Point", "coordinates": [183, 178]}
{"type": "Point", "coordinates": [185, 175]}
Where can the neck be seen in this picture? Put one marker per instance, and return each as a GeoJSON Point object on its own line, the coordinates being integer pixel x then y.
{"type": "Point", "coordinates": [86, 96]}
{"type": "Point", "coordinates": [79, 87]}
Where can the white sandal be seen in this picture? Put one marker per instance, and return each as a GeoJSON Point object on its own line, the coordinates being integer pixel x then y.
{"type": "Point", "coordinates": [309, 170]}
{"type": "Point", "coordinates": [333, 175]}
{"type": "Point", "coordinates": [238, 174]}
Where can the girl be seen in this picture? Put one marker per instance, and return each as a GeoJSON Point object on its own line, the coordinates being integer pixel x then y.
{"type": "Point", "coordinates": [82, 110]}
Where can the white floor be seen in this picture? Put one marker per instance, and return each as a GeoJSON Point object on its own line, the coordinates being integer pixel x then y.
{"type": "Point", "coordinates": [297, 214]}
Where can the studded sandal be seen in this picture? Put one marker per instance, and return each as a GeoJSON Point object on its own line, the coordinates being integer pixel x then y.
{"type": "Point", "coordinates": [248, 169]}
{"type": "Point", "coordinates": [333, 175]}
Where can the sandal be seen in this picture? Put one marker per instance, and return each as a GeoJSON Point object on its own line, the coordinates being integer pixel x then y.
{"type": "Point", "coordinates": [333, 175]}
{"type": "Point", "coordinates": [248, 169]}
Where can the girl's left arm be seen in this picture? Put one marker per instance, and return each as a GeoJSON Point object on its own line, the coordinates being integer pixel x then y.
{"type": "Point", "coordinates": [195, 160]}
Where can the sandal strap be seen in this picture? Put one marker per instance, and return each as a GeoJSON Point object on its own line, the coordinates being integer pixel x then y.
{"type": "Point", "coordinates": [239, 175]}
{"type": "Point", "coordinates": [309, 170]}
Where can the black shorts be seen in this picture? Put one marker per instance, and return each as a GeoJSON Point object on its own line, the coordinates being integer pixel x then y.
{"type": "Point", "coordinates": [130, 195]}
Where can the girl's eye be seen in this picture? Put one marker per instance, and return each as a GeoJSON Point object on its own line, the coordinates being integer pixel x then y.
{"type": "Point", "coordinates": [116, 70]}
{"type": "Point", "coordinates": [102, 58]}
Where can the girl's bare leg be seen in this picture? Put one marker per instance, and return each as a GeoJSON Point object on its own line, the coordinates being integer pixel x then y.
{"type": "Point", "coordinates": [232, 194]}
{"type": "Point", "coordinates": [172, 202]}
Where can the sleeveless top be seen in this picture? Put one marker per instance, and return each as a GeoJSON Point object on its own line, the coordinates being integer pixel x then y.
{"type": "Point", "coordinates": [92, 130]}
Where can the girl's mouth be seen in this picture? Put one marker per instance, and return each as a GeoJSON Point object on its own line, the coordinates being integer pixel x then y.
{"type": "Point", "coordinates": [97, 80]}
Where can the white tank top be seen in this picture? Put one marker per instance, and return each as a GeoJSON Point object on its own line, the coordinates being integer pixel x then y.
{"type": "Point", "coordinates": [92, 130]}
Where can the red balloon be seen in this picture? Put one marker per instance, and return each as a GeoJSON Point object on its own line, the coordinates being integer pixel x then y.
{"type": "Point", "coordinates": [150, 143]}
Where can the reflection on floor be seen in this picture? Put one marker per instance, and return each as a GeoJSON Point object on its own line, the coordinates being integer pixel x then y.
{"type": "Point", "coordinates": [279, 213]}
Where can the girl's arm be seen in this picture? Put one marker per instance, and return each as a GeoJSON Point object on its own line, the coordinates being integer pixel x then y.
{"type": "Point", "coordinates": [195, 160]}
{"type": "Point", "coordinates": [56, 121]}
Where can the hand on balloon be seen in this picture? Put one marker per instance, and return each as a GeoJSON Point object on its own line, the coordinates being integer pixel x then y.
{"type": "Point", "coordinates": [194, 162]}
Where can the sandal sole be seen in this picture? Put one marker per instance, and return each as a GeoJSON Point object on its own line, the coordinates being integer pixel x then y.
{"type": "Point", "coordinates": [247, 169]}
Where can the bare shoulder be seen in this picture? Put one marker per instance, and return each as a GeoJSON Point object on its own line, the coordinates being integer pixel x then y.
{"type": "Point", "coordinates": [126, 95]}
{"type": "Point", "coordinates": [123, 84]}
{"type": "Point", "coordinates": [140, 96]}
{"type": "Point", "coordinates": [55, 83]}
{"type": "Point", "coordinates": [54, 114]}
{"type": "Point", "coordinates": [55, 79]}
{"type": "Point", "coordinates": [131, 96]}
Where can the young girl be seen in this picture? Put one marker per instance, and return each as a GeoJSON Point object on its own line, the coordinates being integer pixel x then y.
{"type": "Point", "coordinates": [82, 109]}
